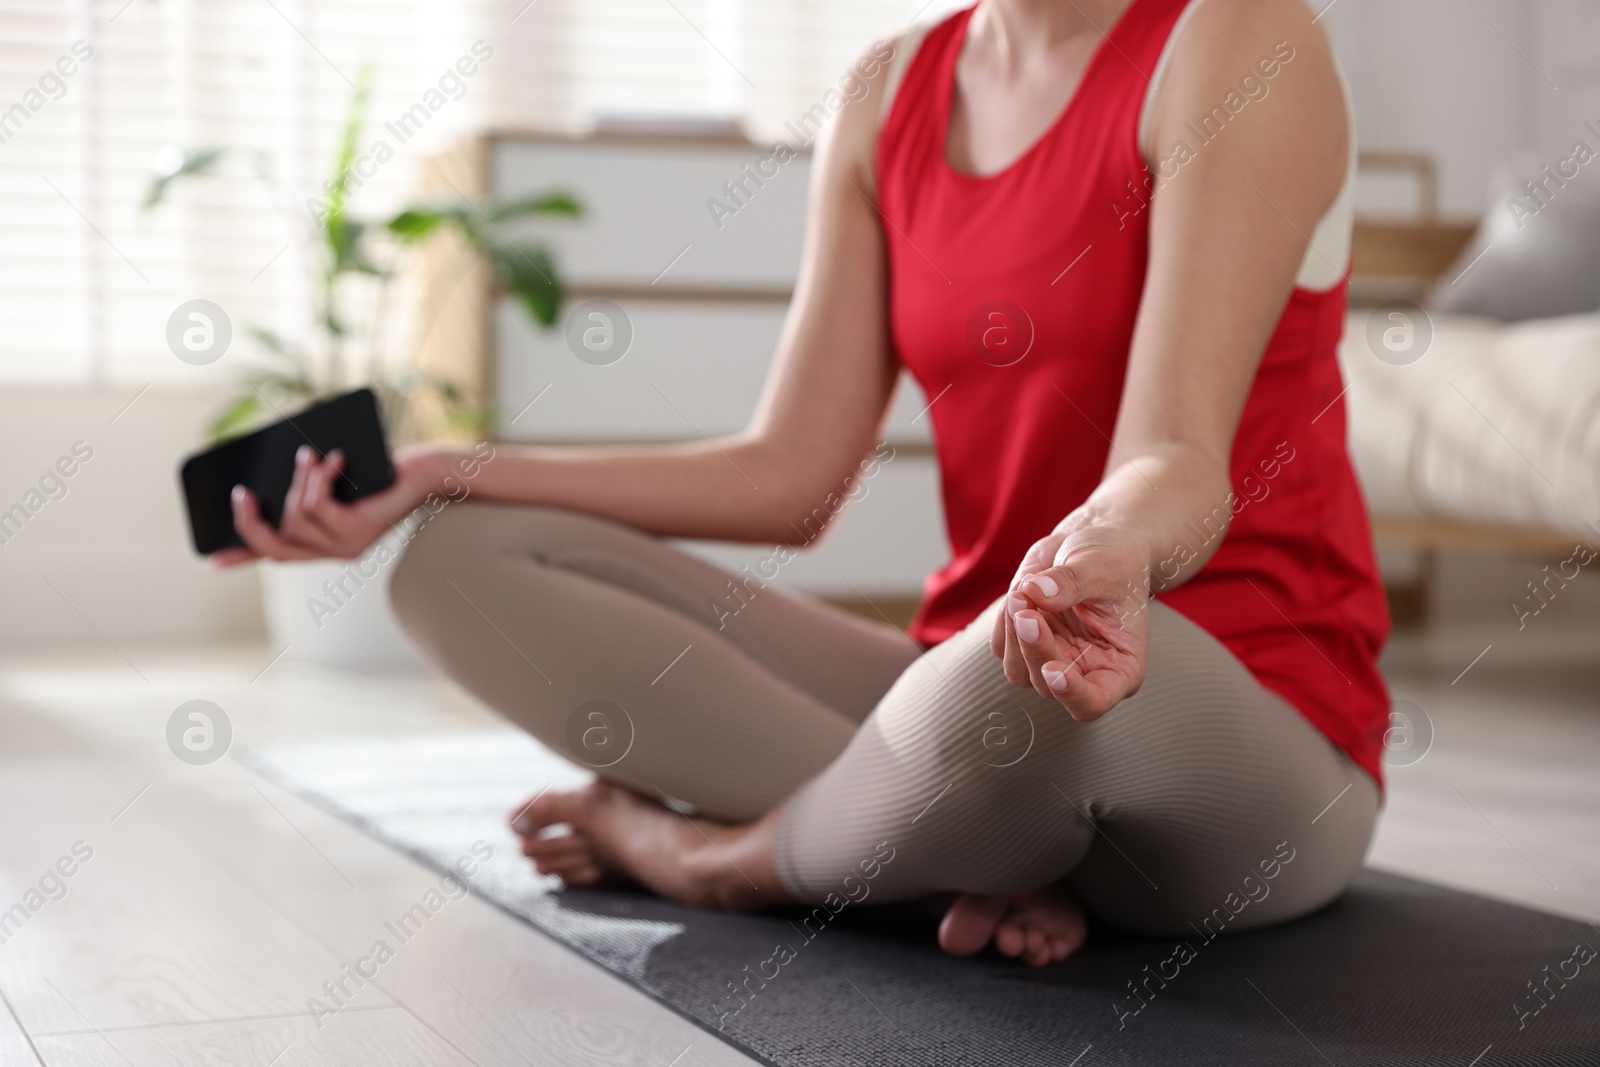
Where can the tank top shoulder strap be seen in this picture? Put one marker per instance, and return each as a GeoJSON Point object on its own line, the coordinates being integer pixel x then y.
{"type": "Point", "coordinates": [912, 90]}
{"type": "Point", "coordinates": [905, 48]}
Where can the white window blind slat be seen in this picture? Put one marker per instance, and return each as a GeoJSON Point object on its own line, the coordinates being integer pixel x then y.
{"type": "Point", "coordinates": [87, 280]}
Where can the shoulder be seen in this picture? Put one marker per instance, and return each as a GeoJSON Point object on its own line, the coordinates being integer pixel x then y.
{"type": "Point", "coordinates": [1235, 28]}
{"type": "Point", "coordinates": [1243, 45]}
{"type": "Point", "coordinates": [1264, 70]}
{"type": "Point", "coordinates": [863, 91]}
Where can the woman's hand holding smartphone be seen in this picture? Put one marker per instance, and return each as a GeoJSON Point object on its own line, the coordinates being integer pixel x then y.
{"type": "Point", "coordinates": [316, 525]}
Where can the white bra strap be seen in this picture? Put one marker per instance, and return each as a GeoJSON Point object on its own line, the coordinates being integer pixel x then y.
{"type": "Point", "coordinates": [1329, 250]}
{"type": "Point", "coordinates": [905, 48]}
{"type": "Point", "coordinates": [1148, 109]}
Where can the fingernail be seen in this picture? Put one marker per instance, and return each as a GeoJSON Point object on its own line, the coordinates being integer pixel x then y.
{"type": "Point", "coordinates": [336, 455]}
{"type": "Point", "coordinates": [1056, 680]}
{"type": "Point", "coordinates": [302, 453]}
{"type": "Point", "coordinates": [237, 494]}
{"type": "Point", "coordinates": [522, 824]}
{"type": "Point", "coordinates": [1027, 629]}
{"type": "Point", "coordinates": [1046, 584]}
{"type": "Point", "coordinates": [1015, 604]}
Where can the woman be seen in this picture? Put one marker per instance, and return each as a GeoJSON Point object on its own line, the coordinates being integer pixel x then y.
{"type": "Point", "coordinates": [1108, 237]}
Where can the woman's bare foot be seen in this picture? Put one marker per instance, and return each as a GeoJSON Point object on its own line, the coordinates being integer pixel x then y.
{"type": "Point", "coordinates": [1042, 926]}
{"type": "Point", "coordinates": [591, 834]}
{"type": "Point", "coordinates": [613, 833]}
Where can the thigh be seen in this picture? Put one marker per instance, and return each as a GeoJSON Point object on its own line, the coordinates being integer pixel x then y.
{"type": "Point", "coordinates": [835, 656]}
{"type": "Point", "coordinates": [1154, 813]}
{"type": "Point", "coordinates": [615, 650]}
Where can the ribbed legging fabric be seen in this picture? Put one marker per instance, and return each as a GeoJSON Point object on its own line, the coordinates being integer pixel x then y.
{"type": "Point", "coordinates": [1202, 802]}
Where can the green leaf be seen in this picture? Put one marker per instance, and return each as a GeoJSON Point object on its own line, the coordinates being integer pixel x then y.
{"type": "Point", "coordinates": [415, 223]}
{"type": "Point", "coordinates": [346, 243]}
{"type": "Point", "coordinates": [174, 165]}
{"type": "Point", "coordinates": [447, 389]}
{"type": "Point", "coordinates": [352, 254]}
{"type": "Point", "coordinates": [337, 229]}
{"type": "Point", "coordinates": [548, 204]}
{"type": "Point", "coordinates": [470, 420]}
{"type": "Point", "coordinates": [420, 220]}
{"type": "Point", "coordinates": [257, 404]}
{"type": "Point", "coordinates": [528, 273]}
{"type": "Point", "coordinates": [234, 418]}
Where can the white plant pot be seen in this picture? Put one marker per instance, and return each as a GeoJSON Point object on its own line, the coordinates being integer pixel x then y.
{"type": "Point", "coordinates": [334, 612]}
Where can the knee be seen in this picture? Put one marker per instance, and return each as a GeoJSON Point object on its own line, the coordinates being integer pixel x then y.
{"type": "Point", "coordinates": [455, 544]}
{"type": "Point", "coordinates": [993, 745]}
{"type": "Point", "coordinates": [437, 541]}
{"type": "Point", "coordinates": [963, 714]}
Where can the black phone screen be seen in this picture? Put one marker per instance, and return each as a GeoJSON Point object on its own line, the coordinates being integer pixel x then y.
{"type": "Point", "coordinates": [263, 462]}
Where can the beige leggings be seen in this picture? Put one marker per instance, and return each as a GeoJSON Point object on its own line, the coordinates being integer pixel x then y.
{"type": "Point", "coordinates": [1203, 802]}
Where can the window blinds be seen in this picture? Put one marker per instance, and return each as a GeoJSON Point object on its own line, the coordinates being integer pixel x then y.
{"type": "Point", "coordinates": [92, 91]}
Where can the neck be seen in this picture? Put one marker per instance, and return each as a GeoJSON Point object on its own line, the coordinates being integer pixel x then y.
{"type": "Point", "coordinates": [1018, 31]}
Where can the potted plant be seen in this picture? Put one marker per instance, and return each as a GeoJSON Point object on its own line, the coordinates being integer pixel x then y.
{"type": "Point", "coordinates": [353, 258]}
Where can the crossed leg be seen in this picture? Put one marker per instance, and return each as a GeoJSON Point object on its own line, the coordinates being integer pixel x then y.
{"type": "Point", "coordinates": [825, 761]}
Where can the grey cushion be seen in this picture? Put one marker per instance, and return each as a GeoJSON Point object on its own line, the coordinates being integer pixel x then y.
{"type": "Point", "coordinates": [1539, 263]}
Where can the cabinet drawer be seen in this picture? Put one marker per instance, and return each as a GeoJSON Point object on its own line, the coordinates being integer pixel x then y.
{"type": "Point", "coordinates": [645, 209]}
{"type": "Point", "coordinates": [691, 368]}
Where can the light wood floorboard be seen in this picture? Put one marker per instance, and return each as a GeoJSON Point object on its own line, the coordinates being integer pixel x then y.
{"type": "Point", "coordinates": [215, 905]}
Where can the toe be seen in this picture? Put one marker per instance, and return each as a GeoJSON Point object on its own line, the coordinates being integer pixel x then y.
{"type": "Point", "coordinates": [580, 875]}
{"type": "Point", "coordinates": [1010, 939]}
{"type": "Point", "coordinates": [970, 923]}
{"type": "Point", "coordinates": [1038, 950]}
{"type": "Point", "coordinates": [545, 810]}
{"type": "Point", "coordinates": [1059, 920]}
{"type": "Point", "coordinates": [518, 817]}
{"type": "Point", "coordinates": [551, 855]}
{"type": "Point", "coordinates": [551, 849]}
{"type": "Point", "coordinates": [521, 817]}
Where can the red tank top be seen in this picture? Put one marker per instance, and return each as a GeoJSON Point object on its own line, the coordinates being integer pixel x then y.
{"type": "Point", "coordinates": [1012, 301]}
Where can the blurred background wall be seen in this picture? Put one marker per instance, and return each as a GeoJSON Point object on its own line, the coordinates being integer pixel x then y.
{"type": "Point", "coordinates": [87, 279]}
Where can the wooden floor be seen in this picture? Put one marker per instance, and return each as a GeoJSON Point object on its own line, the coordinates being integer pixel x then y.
{"type": "Point", "coordinates": [1506, 802]}
{"type": "Point", "coordinates": [214, 906]}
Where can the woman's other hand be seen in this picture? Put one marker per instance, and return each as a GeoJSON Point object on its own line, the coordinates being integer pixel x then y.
{"type": "Point", "coordinates": [316, 525]}
{"type": "Point", "coordinates": [1074, 625]}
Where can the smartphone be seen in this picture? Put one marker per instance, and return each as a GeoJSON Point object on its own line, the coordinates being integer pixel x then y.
{"type": "Point", "coordinates": [263, 462]}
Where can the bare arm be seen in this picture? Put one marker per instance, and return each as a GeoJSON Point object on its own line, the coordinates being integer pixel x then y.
{"type": "Point", "coordinates": [823, 401]}
{"type": "Point", "coordinates": [1227, 236]}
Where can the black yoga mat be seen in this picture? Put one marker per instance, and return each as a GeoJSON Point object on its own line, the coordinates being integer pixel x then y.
{"type": "Point", "coordinates": [1396, 972]}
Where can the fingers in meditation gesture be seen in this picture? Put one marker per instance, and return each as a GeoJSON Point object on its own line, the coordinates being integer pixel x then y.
{"type": "Point", "coordinates": [1074, 625]}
